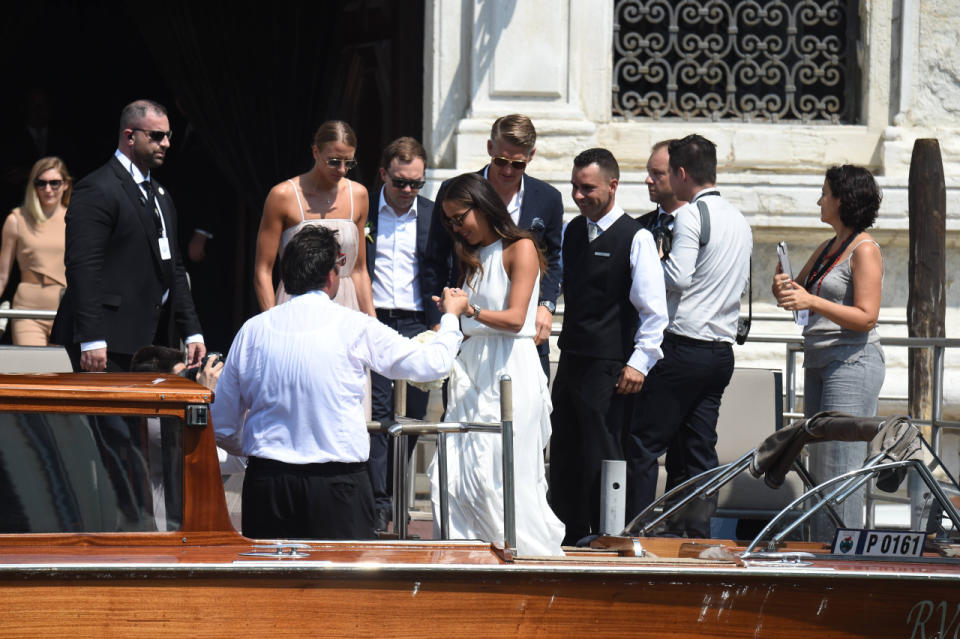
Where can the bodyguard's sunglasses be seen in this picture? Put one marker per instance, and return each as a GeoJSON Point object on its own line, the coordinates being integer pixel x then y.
{"type": "Point", "coordinates": [53, 184]}
{"type": "Point", "coordinates": [334, 163]}
{"type": "Point", "coordinates": [502, 162]}
{"type": "Point", "coordinates": [156, 136]}
{"type": "Point", "coordinates": [414, 185]}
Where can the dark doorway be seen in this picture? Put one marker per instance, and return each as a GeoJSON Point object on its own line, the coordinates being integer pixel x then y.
{"type": "Point", "coordinates": [246, 84]}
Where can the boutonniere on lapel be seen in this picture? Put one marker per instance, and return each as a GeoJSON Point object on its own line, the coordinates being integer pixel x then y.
{"type": "Point", "coordinates": [369, 230]}
{"type": "Point", "coordinates": [537, 225]}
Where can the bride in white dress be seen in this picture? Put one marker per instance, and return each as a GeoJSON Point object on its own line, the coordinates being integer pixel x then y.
{"type": "Point", "coordinates": [501, 266]}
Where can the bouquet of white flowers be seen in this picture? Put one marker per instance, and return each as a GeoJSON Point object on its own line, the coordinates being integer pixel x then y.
{"type": "Point", "coordinates": [437, 384]}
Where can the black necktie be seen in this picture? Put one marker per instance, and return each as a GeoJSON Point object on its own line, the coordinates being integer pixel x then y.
{"type": "Point", "coordinates": [152, 206]}
{"type": "Point", "coordinates": [665, 220]}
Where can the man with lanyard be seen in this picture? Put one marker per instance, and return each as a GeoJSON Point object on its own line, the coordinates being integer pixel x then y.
{"type": "Point", "coordinates": [705, 275]}
{"type": "Point", "coordinates": [125, 277]}
{"type": "Point", "coordinates": [533, 204]}
{"type": "Point", "coordinates": [660, 221]}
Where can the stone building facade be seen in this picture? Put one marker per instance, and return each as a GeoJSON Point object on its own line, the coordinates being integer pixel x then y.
{"type": "Point", "coordinates": [554, 60]}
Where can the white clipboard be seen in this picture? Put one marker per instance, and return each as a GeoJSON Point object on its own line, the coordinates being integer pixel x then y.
{"type": "Point", "coordinates": [800, 317]}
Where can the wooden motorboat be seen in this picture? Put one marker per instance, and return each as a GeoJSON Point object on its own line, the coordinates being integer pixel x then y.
{"type": "Point", "coordinates": [86, 551]}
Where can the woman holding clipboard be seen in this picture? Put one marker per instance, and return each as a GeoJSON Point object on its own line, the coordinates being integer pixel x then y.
{"type": "Point", "coordinates": [836, 297]}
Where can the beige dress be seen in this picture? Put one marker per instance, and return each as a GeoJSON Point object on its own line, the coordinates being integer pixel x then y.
{"type": "Point", "coordinates": [349, 239]}
{"type": "Point", "coordinates": [43, 276]}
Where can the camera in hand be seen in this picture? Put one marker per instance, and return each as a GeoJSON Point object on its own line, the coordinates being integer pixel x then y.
{"type": "Point", "coordinates": [191, 373]}
{"type": "Point", "coordinates": [663, 238]}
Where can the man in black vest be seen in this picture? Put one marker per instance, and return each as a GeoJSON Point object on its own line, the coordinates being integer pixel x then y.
{"type": "Point", "coordinates": [613, 324]}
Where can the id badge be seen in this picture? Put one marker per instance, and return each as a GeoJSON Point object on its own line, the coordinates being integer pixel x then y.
{"type": "Point", "coordinates": [803, 317]}
{"type": "Point", "coordinates": [164, 249]}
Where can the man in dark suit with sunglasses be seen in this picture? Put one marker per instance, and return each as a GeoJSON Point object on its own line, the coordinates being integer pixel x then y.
{"type": "Point", "coordinates": [125, 278]}
{"type": "Point", "coordinates": [398, 228]}
{"type": "Point", "coordinates": [533, 204]}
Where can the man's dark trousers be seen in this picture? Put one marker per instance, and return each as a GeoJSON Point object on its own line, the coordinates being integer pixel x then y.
{"type": "Point", "coordinates": [380, 462]}
{"type": "Point", "coordinates": [678, 407]}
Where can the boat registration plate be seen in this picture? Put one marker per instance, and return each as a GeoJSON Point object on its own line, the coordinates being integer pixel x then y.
{"type": "Point", "coordinates": [878, 543]}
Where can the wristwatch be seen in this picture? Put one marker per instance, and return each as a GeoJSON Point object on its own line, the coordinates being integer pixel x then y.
{"type": "Point", "coordinates": [550, 306]}
{"type": "Point", "coordinates": [476, 312]}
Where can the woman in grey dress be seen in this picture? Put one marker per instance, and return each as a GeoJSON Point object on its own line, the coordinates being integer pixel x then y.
{"type": "Point", "coordinates": [840, 289]}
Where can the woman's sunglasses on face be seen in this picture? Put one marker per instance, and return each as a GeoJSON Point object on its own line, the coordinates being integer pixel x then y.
{"type": "Point", "coordinates": [334, 163]}
{"type": "Point", "coordinates": [53, 184]}
{"type": "Point", "coordinates": [457, 220]}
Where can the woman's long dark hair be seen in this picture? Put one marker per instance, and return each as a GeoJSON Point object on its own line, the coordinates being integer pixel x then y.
{"type": "Point", "coordinates": [473, 191]}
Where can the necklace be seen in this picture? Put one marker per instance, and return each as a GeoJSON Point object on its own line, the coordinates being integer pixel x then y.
{"type": "Point", "coordinates": [325, 196]}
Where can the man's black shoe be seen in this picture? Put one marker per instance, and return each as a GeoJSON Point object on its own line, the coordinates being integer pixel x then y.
{"type": "Point", "coordinates": [382, 521]}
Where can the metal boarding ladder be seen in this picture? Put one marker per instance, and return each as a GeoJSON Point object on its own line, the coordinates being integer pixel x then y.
{"type": "Point", "coordinates": [405, 427]}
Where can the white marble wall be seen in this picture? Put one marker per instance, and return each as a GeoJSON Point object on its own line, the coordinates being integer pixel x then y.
{"type": "Point", "coordinates": [552, 60]}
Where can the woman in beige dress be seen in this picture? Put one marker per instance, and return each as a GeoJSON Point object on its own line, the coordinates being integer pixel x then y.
{"type": "Point", "coordinates": [33, 234]}
{"type": "Point", "coordinates": [322, 196]}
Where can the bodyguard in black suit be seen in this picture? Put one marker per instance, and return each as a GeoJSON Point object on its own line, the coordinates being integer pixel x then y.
{"type": "Point", "coordinates": [125, 278]}
{"type": "Point", "coordinates": [398, 229]}
{"type": "Point", "coordinates": [535, 206]}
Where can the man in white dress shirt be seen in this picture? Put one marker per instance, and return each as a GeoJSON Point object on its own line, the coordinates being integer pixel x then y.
{"type": "Point", "coordinates": [615, 314]}
{"type": "Point", "coordinates": [398, 232]}
{"type": "Point", "coordinates": [705, 273]}
{"type": "Point", "coordinates": [290, 398]}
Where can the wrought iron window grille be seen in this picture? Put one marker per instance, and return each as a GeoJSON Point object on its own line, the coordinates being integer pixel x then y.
{"type": "Point", "coordinates": [747, 60]}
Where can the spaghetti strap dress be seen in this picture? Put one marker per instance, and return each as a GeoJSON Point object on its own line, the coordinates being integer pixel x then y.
{"type": "Point", "coordinates": [349, 239]}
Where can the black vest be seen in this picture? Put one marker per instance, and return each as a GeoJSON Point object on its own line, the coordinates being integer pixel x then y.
{"type": "Point", "coordinates": [598, 319]}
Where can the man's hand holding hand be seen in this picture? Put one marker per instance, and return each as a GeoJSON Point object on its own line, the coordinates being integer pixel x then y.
{"type": "Point", "coordinates": [453, 301]}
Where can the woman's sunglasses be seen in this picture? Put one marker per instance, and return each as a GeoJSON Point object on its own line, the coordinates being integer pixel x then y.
{"type": "Point", "coordinates": [457, 220]}
{"type": "Point", "coordinates": [334, 163]}
{"type": "Point", "coordinates": [53, 184]}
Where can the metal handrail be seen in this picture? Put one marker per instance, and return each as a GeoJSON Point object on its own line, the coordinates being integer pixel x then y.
{"type": "Point", "coordinates": [17, 313]}
{"type": "Point", "coordinates": [405, 426]}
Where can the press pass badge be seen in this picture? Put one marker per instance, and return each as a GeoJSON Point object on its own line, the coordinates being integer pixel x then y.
{"type": "Point", "coordinates": [164, 249]}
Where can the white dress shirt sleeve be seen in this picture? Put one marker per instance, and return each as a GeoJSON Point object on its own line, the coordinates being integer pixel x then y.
{"type": "Point", "coordinates": [396, 357]}
{"type": "Point", "coordinates": [229, 406]}
{"type": "Point", "coordinates": [648, 296]}
{"type": "Point", "coordinates": [678, 268]}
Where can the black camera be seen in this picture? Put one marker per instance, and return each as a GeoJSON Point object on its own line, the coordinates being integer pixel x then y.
{"type": "Point", "coordinates": [743, 330]}
{"type": "Point", "coordinates": [663, 238]}
{"type": "Point", "coordinates": [191, 373]}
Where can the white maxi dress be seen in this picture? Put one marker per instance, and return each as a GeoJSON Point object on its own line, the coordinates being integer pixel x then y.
{"type": "Point", "coordinates": [474, 462]}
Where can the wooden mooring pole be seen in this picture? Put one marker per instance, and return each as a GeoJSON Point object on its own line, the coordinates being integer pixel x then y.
{"type": "Point", "coordinates": [926, 303]}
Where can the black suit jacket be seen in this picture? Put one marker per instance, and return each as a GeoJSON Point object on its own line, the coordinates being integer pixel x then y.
{"type": "Point", "coordinates": [115, 277]}
{"type": "Point", "coordinates": [424, 217]}
{"type": "Point", "coordinates": [649, 220]}
{"type": "Point", "coordinates": [541, 212]}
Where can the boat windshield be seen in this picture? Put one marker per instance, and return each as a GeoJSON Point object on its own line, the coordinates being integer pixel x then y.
{"type": "Point", "coordinates": [70, 473]}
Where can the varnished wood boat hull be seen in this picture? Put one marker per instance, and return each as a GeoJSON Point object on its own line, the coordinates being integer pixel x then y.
{"type": "Point", "coordinates": [466, 601]}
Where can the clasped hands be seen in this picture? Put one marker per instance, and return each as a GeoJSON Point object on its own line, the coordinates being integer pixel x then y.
{"type": "Point", "coordinates": [453, 300]}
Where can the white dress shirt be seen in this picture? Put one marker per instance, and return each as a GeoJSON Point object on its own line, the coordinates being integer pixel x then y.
{"type": "Point", "coordinates": [140, 178]}
{"type": "Point", "coordinates": [704, 284]}
{"type": "Point", "coordinates": [646, 294]}
{"type": "Point", "coordinates": [292, 387]}
{"type": "Point", "coordinates": [396, 274]}
{"type": "Point", "coordinates": [513, 207]}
